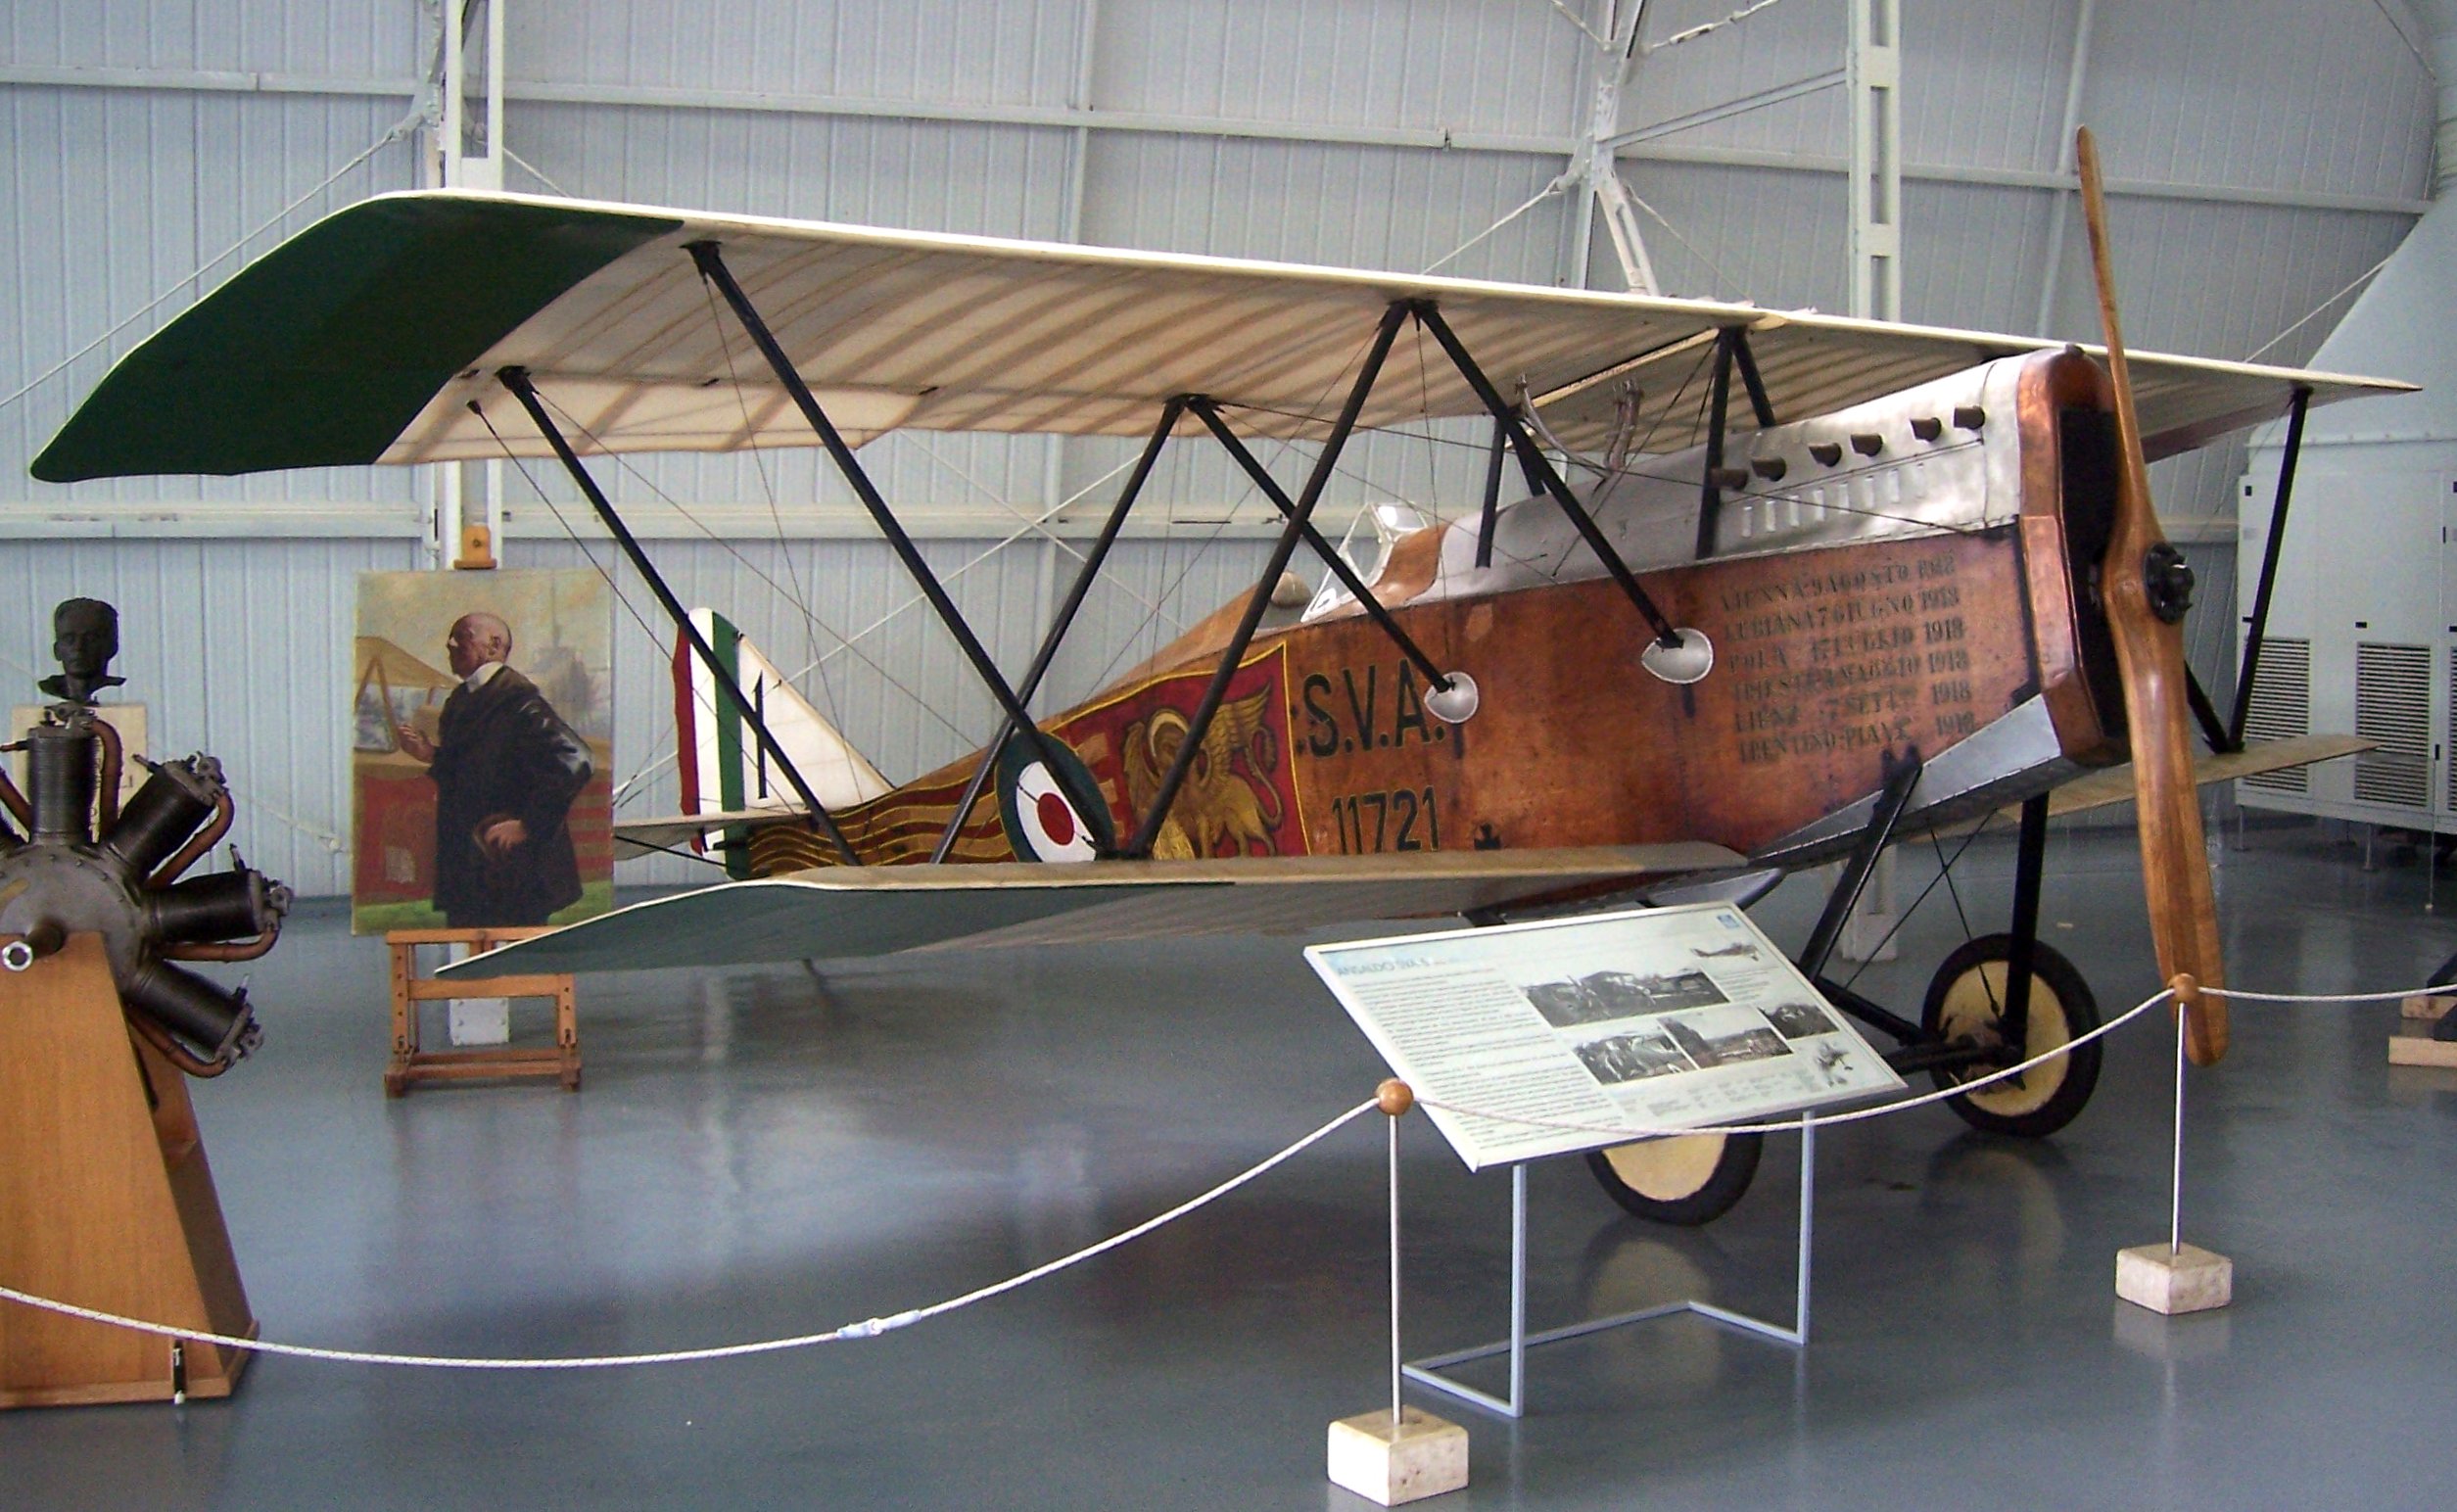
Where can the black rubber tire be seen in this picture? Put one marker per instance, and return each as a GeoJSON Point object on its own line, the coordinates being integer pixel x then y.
{"type": "Point", "coordinates": [1698, 1193]}
{"type": "Point", "coordinates": [2052, 1095]}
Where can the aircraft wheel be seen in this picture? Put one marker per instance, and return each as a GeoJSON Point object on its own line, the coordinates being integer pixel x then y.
{"type": "Point", "coordinates": [1686, 1179]}
{"type": "Point", "coordinates": [1967, 997]}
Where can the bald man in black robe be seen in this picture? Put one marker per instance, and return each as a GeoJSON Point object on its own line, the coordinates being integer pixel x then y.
{"type": "Point", "coordinates": [506, 770]}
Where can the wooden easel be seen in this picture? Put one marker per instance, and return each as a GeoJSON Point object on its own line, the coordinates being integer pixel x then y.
{"type": "Point", "coordinates": [411, 1065]}
{"type": "Point", "coordinates": [105, 1201]}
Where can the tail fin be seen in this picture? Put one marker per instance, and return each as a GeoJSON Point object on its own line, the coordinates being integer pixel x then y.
{"type": "Point", "coordinates": [723, 768]}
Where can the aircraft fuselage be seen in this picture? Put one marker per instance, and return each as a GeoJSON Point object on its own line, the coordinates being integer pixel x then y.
{"type": "Point", "coordinates": [1908, 575]}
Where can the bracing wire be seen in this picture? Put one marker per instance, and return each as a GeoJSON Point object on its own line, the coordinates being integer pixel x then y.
{"type": "Point", "coordinates": [397, 131]}
{"type": "Point", "coordinates": [731, 550]}
{"type": "Point", "coordinates": [768, 488]}
{"type": "Point", "coordinates": [1221, 528]}
{"type": "Point", "coordinates": [521, 466]}
{"type": "Point", "coordinates": [1944, 871]}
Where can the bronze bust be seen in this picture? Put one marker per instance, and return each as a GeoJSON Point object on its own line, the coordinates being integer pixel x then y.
{"type": "Point", "coordinates": [85, 636]}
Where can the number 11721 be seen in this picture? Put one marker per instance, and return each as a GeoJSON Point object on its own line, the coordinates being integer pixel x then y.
{"type": "Point", "coordinates": [1401, 819]}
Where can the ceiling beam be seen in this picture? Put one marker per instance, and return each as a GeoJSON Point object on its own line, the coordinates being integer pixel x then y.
{"type": "Point", "coordinates": [1064, 118]}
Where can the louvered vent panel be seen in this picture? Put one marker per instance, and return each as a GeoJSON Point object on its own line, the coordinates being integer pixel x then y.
{"type": "Point", "coordinates": [2392, 705]}
{"type": "Point", "coordinates": [2281, 709]}
{"type": "Point", "coordinates": [2452, 684]}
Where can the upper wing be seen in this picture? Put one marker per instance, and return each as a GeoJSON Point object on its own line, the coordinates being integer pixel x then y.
{"type": "Point", "coordinates": [871, 910]}
{"type": "Point", "coordinates": [369, 336]}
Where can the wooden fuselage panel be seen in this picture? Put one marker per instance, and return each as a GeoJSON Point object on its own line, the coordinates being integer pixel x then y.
{"type": "Point", "coordinates": [1832, 661]}
{"type": "Point", "coordinates": [1827, 663]}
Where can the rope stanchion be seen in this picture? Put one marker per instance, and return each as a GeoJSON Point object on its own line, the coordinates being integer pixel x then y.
{"type": "Point", "coordinates": [1395, 1097]}
{"type": "Point", "coordinates": [868, 1328]}
{"type": "Point", "coordinates": [2175, 1182]}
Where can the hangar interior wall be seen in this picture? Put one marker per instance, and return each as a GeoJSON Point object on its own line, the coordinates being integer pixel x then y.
{"type": "Point", "coordinates": [2264, 154]}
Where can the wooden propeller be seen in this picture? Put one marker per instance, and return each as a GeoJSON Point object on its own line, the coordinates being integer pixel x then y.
{"type": "Point", "coordinates": [2145, 586]}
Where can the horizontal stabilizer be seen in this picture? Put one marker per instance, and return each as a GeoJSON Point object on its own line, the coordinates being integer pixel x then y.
{"type": "Point", "coordinates": [670, 832]}
{"type": "Point", "coordinates": [874, 911]}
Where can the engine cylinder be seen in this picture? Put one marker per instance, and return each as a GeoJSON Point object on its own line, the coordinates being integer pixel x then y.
{"type": "Point", "coordinates": [225, 906]}
{"type": "Point", "coordinates": [61, 762]}
{"type": "Point", "coordinates": [176, 798]}
{"type": "Point", "coordinates": [216, 1022]}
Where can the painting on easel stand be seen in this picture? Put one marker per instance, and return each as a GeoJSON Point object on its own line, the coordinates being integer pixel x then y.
{"type": "Point", "coordinates": [481, 729]}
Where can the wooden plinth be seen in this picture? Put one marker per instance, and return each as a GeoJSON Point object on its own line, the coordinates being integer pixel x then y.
{"type": "Point", "coordinates": [411, 1065]}
{"type": "Point", "coordinates": [105, 1201]}
{"type": "Point", "coordinates": [2422, 1049]}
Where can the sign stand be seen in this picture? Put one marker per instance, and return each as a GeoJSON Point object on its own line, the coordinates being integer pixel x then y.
{"type": "Point", "coordinates": [1429, 1371]}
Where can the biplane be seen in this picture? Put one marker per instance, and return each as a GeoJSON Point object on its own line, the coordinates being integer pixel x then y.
{"type": "Point", "coordinates": [1781, 586]}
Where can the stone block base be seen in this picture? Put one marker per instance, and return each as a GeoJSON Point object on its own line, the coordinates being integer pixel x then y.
{"type": "Point", "coordinates": [2190, 1280]}
{"type": "Point", "coordinates": [1425, 1457]}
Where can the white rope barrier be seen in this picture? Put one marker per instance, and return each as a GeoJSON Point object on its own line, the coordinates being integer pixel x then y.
{"type": "Point", "coordinates": [868, 1328]}
{"type": "Point", "coordinates": [2241, 995]}
{"type": "Point", "coordinates": [872, 1328]}
{"type": "Point", "coordinates": [1943, 1094]}
{"type": "Point", "coordinates": [1822, 1120]}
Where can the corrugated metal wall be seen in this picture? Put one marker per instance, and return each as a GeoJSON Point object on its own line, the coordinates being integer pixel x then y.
{"type": "Point", "coordinates": [2266, 153]}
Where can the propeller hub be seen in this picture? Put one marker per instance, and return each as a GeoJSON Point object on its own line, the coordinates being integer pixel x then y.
{"type": "Point", "coordinates": [2167, 577]}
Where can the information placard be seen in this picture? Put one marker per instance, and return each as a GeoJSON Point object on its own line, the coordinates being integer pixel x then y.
{"type": "Point", "coordinates": [1646, 1019]}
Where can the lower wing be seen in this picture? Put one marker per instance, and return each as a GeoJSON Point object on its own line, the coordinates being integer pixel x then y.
{"type": "Point", "coordinates": [2114, 785]}
{"type": "Point", "coordinates": [874, 911]}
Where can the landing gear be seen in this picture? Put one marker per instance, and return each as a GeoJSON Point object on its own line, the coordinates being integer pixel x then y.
{"type": "Point", "coordinates": [1965, 1006]}
{"type": "Point", "coordinates": [1995, 1002]}
{"type": "Point", "coordinates": [1686, 1180]}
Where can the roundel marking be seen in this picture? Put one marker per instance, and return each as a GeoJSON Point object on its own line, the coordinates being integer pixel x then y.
{"type": "Point", "coordinates": [1040, 809]}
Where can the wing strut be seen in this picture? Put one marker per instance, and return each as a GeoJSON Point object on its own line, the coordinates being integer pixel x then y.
{"type": "Point", "coordinates": [1759, 405]}
{"type": "Point", "coordinates": [1261, 599]}
{"type": "Point", "coordinates": [1492, 498]}
{"type": "Point", "coordinates": [2205, 714]}
{"type": "Point", "coordinates": [1535, 462]}
{"type": "Point", "coordinates": [2269, 565]}
{"type": "Point", "coordinates": [1084, 576]}
{"type": "Point", "coordinates": [1209, 415]}
{"type": "Point", "coordinates": [1711, 478]}
{"type": "Point", "coordinates": [516, 379]}
{"type": "Point", "coordinates": [711, 261]}
{"type": "Point", "coordinates": [1731, 351]}
{"type": "Point", "coordinates": [1901, 780]}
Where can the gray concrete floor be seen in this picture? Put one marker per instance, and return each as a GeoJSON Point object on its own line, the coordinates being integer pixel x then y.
{"type": "Point", "coordinates": [765, 1153]}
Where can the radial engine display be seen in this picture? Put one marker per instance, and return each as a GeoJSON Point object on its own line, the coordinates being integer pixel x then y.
{"type": "Point", "coordinates": [86, 865]}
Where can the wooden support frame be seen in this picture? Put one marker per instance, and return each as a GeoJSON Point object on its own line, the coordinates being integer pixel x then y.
{"type": "Point", "coordinates": [86, 1109]}
{"type": "Point", "coordinates": [411, 1065]}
